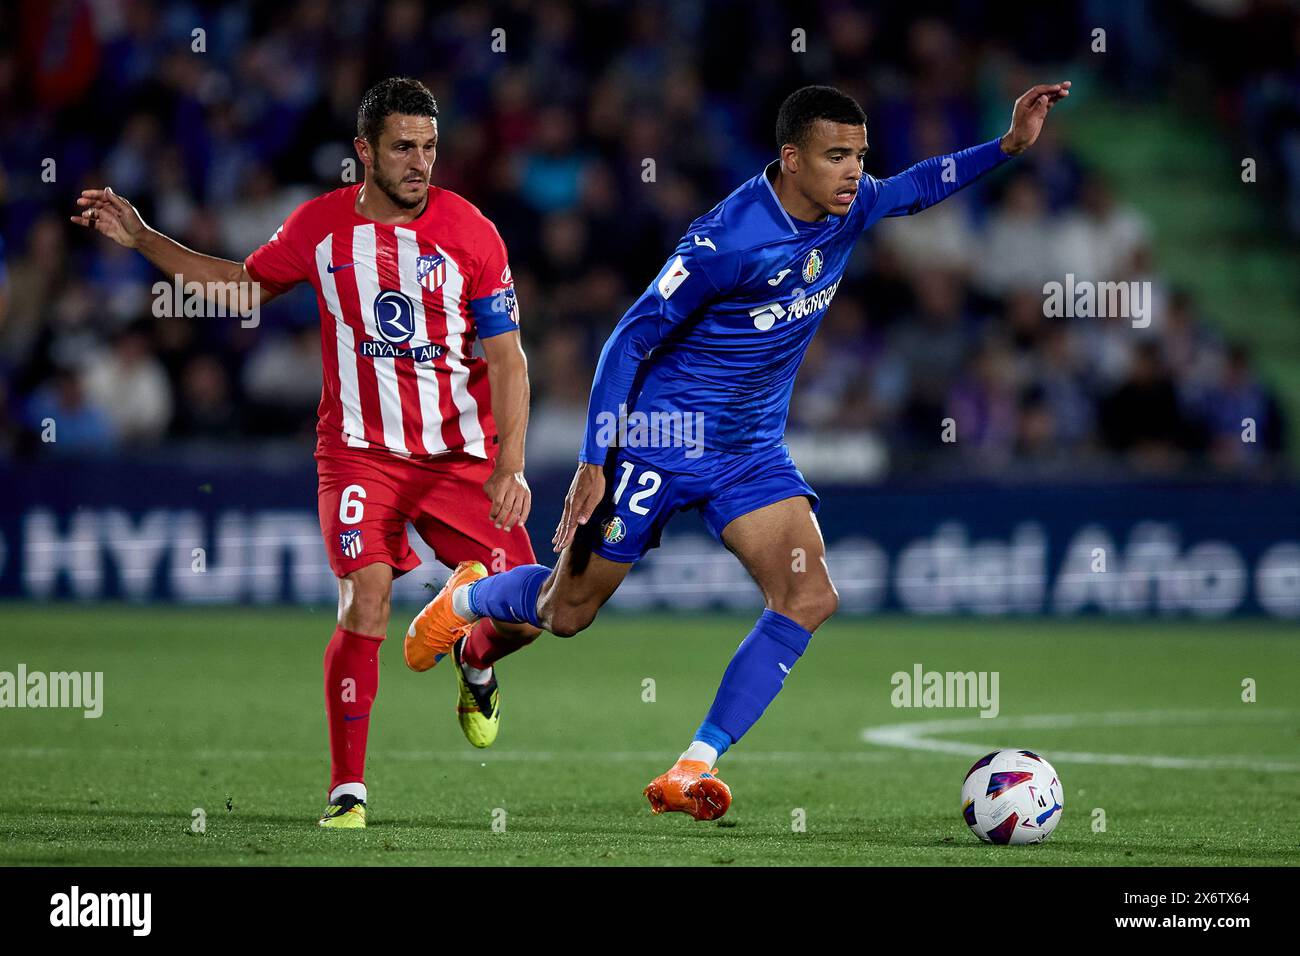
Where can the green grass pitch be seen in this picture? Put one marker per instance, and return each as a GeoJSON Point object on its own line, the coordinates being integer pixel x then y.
{"type": "Point", "coordinates": [221, 710]}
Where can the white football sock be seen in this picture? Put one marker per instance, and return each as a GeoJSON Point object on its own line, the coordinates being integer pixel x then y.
{"type": "Point", "coordinates": [476, 676]}
{"type": "Point", "coordinates": [357, 790]}
{"type": "Point", "coordinates": [699, 750]}
{"type": "Point", "coordinates": [460, 603]}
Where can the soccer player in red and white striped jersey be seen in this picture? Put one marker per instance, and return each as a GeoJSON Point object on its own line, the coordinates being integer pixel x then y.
{"type": "Point", "coordinates": [413, 426]}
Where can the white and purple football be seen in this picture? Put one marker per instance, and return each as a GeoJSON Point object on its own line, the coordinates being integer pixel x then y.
{"type": "Point", "coordinates": [1012, 796]}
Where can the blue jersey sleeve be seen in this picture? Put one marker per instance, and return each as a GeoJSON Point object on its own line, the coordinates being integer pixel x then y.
{"type": "Point", "coordinates": [930, 181]}
{"type": "Point", "coordinates": [695, 276]}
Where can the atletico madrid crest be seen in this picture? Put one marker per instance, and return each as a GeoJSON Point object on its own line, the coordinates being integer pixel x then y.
{"type": "Point", "coordinates": [431, 271]}
{"type": "Point", "coordinates": [350, 543]}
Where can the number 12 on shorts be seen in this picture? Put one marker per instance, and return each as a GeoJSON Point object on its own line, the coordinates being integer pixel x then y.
{"type": "Point", "coordinates": [649, 482]}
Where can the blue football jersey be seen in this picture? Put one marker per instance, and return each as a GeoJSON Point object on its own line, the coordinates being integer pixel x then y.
{"type": "Point", "coordinates": [719, 335]}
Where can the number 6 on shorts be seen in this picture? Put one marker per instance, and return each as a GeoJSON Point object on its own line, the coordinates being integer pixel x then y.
{"type": "Point", "coordinates": [352, 509]}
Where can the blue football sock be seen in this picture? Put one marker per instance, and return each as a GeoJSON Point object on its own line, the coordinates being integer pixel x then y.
{"type": "Point", "coordinates": [714, 736]}
{"type": "Point", "coordinates": [510, 595]}
{"type": "Point", "coordinates": [753, 679]}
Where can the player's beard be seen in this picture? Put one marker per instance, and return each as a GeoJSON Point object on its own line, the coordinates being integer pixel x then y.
{"type": "Point", "coordinates": [390, 188]}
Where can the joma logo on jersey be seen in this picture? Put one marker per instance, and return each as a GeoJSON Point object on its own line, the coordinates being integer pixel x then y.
{"type": "Point", "coordinates": [419, 353]}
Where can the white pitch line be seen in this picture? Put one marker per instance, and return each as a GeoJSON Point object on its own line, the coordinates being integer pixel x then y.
{"type": "Point", "coordinates": [918, 735]}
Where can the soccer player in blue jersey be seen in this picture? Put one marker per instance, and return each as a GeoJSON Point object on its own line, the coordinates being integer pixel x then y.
{"type": "Point", "coordinates": [688, 411]}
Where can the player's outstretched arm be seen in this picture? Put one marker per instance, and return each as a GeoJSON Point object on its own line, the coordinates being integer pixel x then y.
{"type": "Point", "coordinates": [110, 215]}
{"type": "Point", "coordinates": [506, 487]}
{"type": "Point", "coordinates": [933, 180]}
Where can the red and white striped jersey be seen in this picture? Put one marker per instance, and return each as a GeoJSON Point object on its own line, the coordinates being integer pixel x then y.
{"type": "Point", "coordinates": [401, 307]}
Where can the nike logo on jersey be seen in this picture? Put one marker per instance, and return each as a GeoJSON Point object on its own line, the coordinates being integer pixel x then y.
{"type": "Point", "coordinates": [331, 268]}
{"type": "Point", "coordinates": [779, 277]}
{"type": "Point", "coordinates": [704, 241]}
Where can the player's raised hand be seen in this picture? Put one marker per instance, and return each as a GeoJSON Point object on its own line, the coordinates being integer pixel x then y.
{"type": "Point", "coordinates": [585, 493]}
{"type": "Point", "coordinates": [511, 497]}
{"type": "Point", "coordinates": [110, 215]}
{"type": "Point", "coordinates": [1029, 113]}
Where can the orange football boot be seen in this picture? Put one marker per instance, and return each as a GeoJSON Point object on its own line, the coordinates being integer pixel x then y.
{"type": "Point", "coordinates": [690, 787]}
{"type": "Point", "coordinates": [436, 628]}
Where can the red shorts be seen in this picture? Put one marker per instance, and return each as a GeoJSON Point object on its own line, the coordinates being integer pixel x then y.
{"type": "Point", "coordinates": [366, 497]}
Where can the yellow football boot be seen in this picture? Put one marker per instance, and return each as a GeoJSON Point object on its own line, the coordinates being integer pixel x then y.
{"type": "Point", "coordinates": [345, 813]}
{"type": "Point", "coordinates": [478, 706]}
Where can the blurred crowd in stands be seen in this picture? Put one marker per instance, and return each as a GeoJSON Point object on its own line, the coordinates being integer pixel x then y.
{"type": "Point", "coordinates": [940, 316]}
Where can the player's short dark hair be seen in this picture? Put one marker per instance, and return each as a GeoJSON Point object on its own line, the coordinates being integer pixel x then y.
{"type": "Point", "coordinates": [806, 106]}
{"type": "Point", "coordinates": [397, 94]}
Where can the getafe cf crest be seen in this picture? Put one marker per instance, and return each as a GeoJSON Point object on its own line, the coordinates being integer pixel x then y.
{"type": "Point", "coordinates": [431, 271]}
{"type": "Point", "coordinates": [812, 265]}
{"type": "Point", "coordinates": [613, 530]}
{"type": "Point", "coordinates": [350, 543]}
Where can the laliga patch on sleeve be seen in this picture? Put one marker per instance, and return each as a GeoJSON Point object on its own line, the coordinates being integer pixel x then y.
{"type": "Point", "coordinates": [673, 276]}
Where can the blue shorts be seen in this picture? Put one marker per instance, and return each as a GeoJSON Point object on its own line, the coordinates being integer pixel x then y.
{"type": "Point", "coordinates": [641, 495]}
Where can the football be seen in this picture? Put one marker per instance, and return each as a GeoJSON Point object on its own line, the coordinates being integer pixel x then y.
{"type": "Point", "coordinates": [1012, 796]}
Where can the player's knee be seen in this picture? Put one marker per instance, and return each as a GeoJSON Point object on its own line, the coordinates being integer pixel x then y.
{"type": "Point", "coordinates": [566, 620]}
{"type": "Point", "coordinates": [810, 607]}
{"type": "Point", "coordinates": [365, 609]}
{"type": "Point", "coordinates": [829, 605]}
{"type": "Point", "coordinates": [563, 615]}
